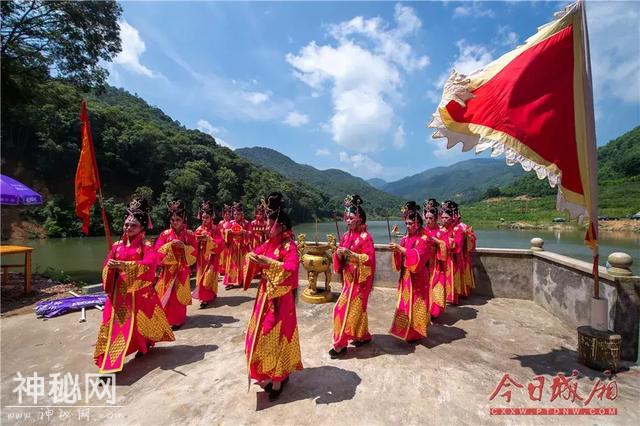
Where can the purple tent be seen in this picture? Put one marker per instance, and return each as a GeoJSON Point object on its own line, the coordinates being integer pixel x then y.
{"type": "Point", "coordinates": [14, 193]}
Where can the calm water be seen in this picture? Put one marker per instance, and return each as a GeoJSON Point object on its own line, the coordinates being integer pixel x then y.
{"type": "Point", "coordinates": [82, 258]}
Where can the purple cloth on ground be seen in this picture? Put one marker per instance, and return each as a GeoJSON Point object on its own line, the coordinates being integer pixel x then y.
{"type": "Point", "coordinates": [53, 308]}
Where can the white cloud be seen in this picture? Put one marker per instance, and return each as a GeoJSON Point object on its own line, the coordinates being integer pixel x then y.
{"type": "Point", "coordinates": [399, 138]}
{"type": "Point", "coordinates": [295, 119]}
{"type": "Point", "coordinates": [365, 72]}
{"type": "Point", "coordinates": [361, 165]}
{"type": "Point", "coordinates": [227, 98]}
{"type": "Point", "coordinates": [132, 47]}
{"type": "Point", "coordinates": [506, 37]}
{"type": "Point", "coordinates": [433, 95]}
{"type": "Point", "coordinates": [475, 9]}
{"type": "Point", "coordinates": [443, 152]}
{"type": "Point", "coordinates": [256, 98]}
{"type": "Point", "coordinates": [615, 49]}
{"type": "Point", "coordinates": [205, 127]}
{"type": "Point", "coordinates": [389, 43]}
{"type": "Point", "coordinates": [471, 57]}
{"type": "Point", "coordinates": [449, 156]}
{"type": "Point", "coordinates": [231, 100]}
{"type": "Point", "coordinates": [322, 152]}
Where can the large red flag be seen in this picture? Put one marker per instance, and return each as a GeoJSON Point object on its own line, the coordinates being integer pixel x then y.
{"type": "Point", "coordinates": [87, 180]}
{"type": "Point", "coordinates": [535, 106]}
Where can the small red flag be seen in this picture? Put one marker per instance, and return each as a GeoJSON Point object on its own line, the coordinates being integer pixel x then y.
{"type": "Point", "coordinates": [87, 182]}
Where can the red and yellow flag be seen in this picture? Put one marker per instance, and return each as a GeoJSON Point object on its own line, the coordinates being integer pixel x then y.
{"type": "Point", "coordinates": [535, 106]}
{"type": "Point", "coordinates": [87, 182]}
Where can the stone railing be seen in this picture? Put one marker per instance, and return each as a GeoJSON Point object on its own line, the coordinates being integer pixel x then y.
{"type": "Point", "coordinates": [560, 284]}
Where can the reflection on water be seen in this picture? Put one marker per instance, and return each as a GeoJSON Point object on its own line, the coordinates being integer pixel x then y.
{"type": "Point", "coordinates": [82, 257]}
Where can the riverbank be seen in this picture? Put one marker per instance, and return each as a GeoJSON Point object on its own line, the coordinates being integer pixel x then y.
{"type": "Point", "coordinates": [82, 258]}
{"type": "Point", "coordinates": [625, 225]}
{"type": "Point", "coordinates": [524, 212]}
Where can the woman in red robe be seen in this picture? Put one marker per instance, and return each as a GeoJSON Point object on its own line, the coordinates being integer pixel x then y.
{"type": "Point", "coordinates": [176, 249]}
{"type": "Point", "coordinates": [210, 244]}
{"type": "Point", "coordinates": [411, 319]}
{"type": "Point", "coordinates": [238, 238]}
{"type": "Point", "coordinates": [455, 243]}
{"type": "Point", "coordinates": [224, 226]}
{"type": "Point", "coordinates": [259, 228]}
{"type": "Point", "coordinates": [355, 261]}
{"type": "Point", "coordinates": [133, 319]}
{"type": "Point", "coordinates": [272, 344]}
{"type": "Point", "coordinates": [436, 263]}
{"type": "Point", "coordinates": [468, 280]}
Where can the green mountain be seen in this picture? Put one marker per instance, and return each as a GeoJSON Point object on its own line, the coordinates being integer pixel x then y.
{"type": "Point", "coordinates": [463, 181]}
{"type": "Point", "coordinates": [377, 183]}
{"type": "Point", "coordinates": [335, 183]}
{"type": "Point", "coordinates": [618, 178]}
{"type": "Point", "coordinates": [530, 201]}
{"type": "Point", "coordinates": [138, 148]}
{"type": "Point", "coordinates": [620, 158]}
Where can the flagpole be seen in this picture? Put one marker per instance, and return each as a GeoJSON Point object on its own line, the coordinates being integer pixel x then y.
{"type": "Point", "coordinates": [335, 219]}
{"type": "Point", "coordinates": [591, 140]}
{"type": "Point", "coordinates": [105, 222]}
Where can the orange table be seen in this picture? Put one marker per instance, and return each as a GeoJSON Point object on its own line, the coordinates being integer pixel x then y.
{"type": "Point", "coordinates": [27, 264]}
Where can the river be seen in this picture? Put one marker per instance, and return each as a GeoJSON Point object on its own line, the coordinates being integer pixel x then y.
{"type": "Point", "coordinates": [82, 258]}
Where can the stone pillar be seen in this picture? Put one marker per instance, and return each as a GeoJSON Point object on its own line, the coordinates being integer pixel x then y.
{"type": "Point", "coordinates": [537, 244]}
{"type": "Point", "coordinates": [619, 264]}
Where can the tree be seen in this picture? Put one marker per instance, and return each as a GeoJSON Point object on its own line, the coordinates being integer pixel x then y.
{"type": "Point", "coordinates": [491, 192]}
{"type": "Point", "coordinates": [45, 44]}
{"type": "Point", "coordinates": [227, 181]}
{"type": "Point", "coordinates": [64, 38]}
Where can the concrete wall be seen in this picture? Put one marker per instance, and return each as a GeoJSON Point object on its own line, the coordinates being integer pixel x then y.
{"type": "Point", "coordinates": [564, 286]}
{"type": "Point", "coordinates": [560, 284]}
{"type": "Point", "coordinates": [503, 273]}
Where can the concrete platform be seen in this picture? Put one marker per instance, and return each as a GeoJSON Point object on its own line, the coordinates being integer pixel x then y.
{"type": "Point", "coordinates": [201, 378]}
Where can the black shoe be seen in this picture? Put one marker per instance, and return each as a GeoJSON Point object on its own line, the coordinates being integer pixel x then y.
{"type": "Point", "coordinates": [176, 327]}
{"type": "Point", "coordinates": [359, 343]}
{"type": "Point", "coordinates": [275, 394]}
{"type": "Point", "coordinates": [335, 354]}
{"type": "Point", "coordinates": [203, 305]}
{"type": "Point", "coordinates": [139, 354]}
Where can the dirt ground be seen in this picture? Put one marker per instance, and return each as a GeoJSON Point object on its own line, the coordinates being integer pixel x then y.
{"type": "Point", "coordinates": [13, 300]}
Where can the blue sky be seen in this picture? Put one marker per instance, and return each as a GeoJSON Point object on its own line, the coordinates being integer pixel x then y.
{"type": "Point", "coordinates": [349, 85]}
